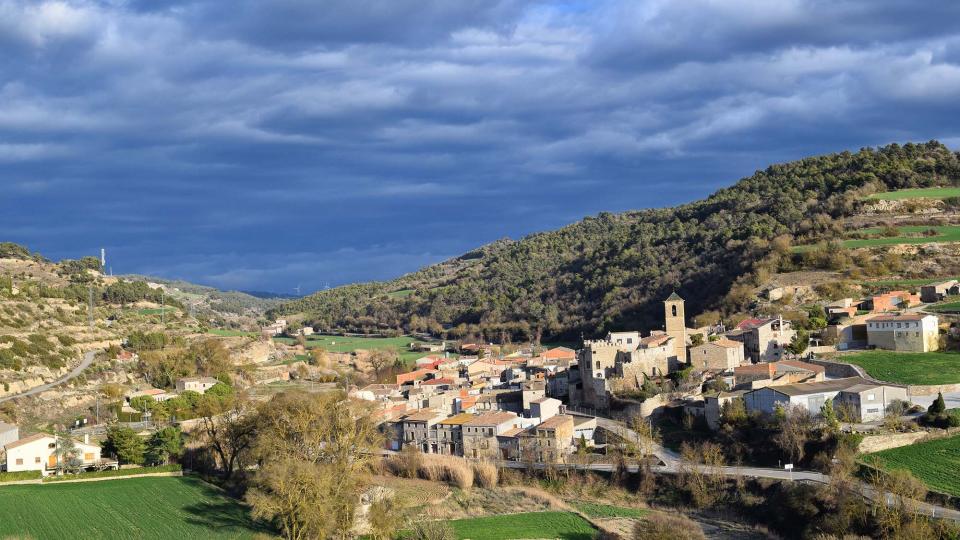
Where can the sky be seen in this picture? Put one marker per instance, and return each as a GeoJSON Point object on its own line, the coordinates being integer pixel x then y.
{"type": "Point", "coordinates": [269, 145]}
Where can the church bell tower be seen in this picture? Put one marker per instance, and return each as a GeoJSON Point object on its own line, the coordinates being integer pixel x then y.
{"type": "Point", "coordinates": [675, 324]}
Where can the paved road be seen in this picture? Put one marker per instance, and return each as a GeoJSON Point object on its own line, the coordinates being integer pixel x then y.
{"type": "Point", "coordinates": [84, 364]}
{"type": "Point", "coordinates": [672, 462]}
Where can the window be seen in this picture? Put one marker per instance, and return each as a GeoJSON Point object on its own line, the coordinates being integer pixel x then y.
{"type": "Point", "coordinates": [36, 459]}
{"type": "Point", "coordinates": [19, 461]}
{"type": "Point", "coordinates": [673, 309]}
{"type": "Point", "coordinates": [598, 364]}
{"type": "Point", "coordinates": [871, 397]}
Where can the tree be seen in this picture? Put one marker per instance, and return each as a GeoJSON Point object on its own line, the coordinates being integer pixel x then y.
{"type": "Point", "coordinates": [164, 445]}
{"type": "Point", "coordinates": [381, 358]}
{"type": "Point", "coordinates": [696, 339]}
{"type": "Point", "coordinates": [939, 406]}
{"type": "Point", "coordinates": [143, 403]}
{"type": "Point", "coordinates": [800, 342]}
{"type": "Point", "coordinates": [228, 427]}
{"type": "Point", "coordinates": [324, 444]}
{"type": "Point", "coordinates": [829, 416]}
{"type": "Point", "coordinates": [318, 356]}
{"type": "Point", "coordinates": [386, 516]}
{"type": "Point", "coordinates": [125, 444]}
{"type": "Point", "coordinates": [795, 426]}
{"type": "Point", "coordinates": [66, 453]}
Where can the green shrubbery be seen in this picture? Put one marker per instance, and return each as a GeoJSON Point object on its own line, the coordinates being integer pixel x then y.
{"type": "Point", "coordinates": [176, 467]}
{"type": "Point", "coordinates": [19, 476]}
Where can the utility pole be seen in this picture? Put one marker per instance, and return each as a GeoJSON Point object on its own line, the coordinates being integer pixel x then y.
{"type": "Point", "coordinates": [163, 306]}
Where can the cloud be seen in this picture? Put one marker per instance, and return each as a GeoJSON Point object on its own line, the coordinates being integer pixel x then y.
{"type": "Point", "coordinates": [244, 147]}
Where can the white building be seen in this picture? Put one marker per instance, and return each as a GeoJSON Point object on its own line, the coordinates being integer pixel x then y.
{"type": "Point", "coordinates": [196, 384]}
{"type": "Point", "coordinates": [39, 453]}
{"type": "Point", "coordinates": [865, 400]}
{"type": "Point", "coordinates": [8, 434]}
{"type": "Point", "coordinates": [912, 332]}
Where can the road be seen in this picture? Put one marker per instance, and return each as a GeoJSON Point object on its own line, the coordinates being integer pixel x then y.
{"type": "Point", "coordinates": [672, 464]}
{"type": "Point", "coordinates": [84, 364]}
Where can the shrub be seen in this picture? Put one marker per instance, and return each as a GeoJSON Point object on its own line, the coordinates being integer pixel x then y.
{"type": "Point", "coordinates": [485, 474]}
{"type": "Point", "coordinates": [456, 471]}
{"type": "Point", "coordinates": [667, 527]}
{"type": "Point", "coordinates": [432, 530]}
{"type": "Point", "coordinates": [19, 476]}
{"type": "Point", "coordinates": [110, 473]}
{"type": "Point", "coordinates": [406, 463]}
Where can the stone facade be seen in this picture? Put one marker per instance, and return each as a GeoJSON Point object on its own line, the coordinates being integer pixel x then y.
{"type": "Point", "coordinates": [911, 332]}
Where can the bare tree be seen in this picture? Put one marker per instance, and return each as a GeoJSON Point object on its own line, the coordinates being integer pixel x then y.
{"type": "Point", "coordinates": [229, 429]}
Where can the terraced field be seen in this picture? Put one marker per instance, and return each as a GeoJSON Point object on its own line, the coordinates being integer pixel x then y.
{"type": "Point", "coordinates": [937, 463]}
{"type": "Point", "coordinates": [161, 508]}
{"type": "Point", "coordinates": [918, 193]}
{"type": "Point", "coordinates": [563, 525]}
{"type": "Point", "coordinates": [911, 234]}
{"type": "Point", "coordinates": [350, 344]}
{"type": "Point", "coordinates": [597, 510]}
{"type": "Point", "coordinates": [908, 368]}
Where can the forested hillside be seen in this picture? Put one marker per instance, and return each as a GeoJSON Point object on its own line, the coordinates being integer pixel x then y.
{"type": "Point", "coordinates": [612, 271]}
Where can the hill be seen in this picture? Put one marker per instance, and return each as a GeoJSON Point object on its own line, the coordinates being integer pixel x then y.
{"type": "Point", "coordinates": [222, 302]}
{"type": "Point", "coordinates": [612, 270]}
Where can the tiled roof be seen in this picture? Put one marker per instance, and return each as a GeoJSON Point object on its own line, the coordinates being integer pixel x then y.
{"type": "Point", "coordinates": [899, 317]}
{"type": "Point", "coordinates": [491, 419]}
{"type": "Point", "coordinates": [456, 420]}
{"type": "Point", "coordinates": [555, 421]}
{"type": "Point", "coordinates": [27, 440]}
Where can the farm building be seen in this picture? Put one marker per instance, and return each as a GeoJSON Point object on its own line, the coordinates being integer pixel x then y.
{"type": "Point", "coordinates": [909, 332]}
{"type": "Point", "coordinates": [865, 400]}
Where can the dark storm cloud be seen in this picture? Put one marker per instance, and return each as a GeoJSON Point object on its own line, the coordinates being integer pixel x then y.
{"type": "Point", "coordinates": [260, 145]}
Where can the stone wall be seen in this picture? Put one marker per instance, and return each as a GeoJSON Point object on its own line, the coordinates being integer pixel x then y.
{"type": "Point", "coordinates": [840, 369]}
{"type": "Point", "coordinates": [876, 443]}
{"type": "Point", "coordinates": [917, 390]}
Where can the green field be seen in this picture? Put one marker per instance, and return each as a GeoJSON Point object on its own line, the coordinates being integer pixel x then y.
{"type": "Point", "coordinates": [232, 333]}
{"type": "Point", "coordinates": [156, 311]}
{"type": "Point", "coordinates": [912, 234]}
{"type": "Point", "coordinates": [905, 282]}
{"type": "Point", "coordinates": [166, 507]}
{"type": "Point", "coordinates": [909, 368]}
{"type": "Point", "coordinates": [350, 344]}
{"type": "Point", "coordinates": [936, 462]}
{"type": "Point", "coordinates": [564, 525]}
{"type": "Point", "coordinates": [918, 193]}
{"type": "Point", "coordinates": [952, 305]}
{"type": "Point", "coordinates": [597, 510]}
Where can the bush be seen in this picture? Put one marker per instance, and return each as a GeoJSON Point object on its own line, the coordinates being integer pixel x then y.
{"type": "Point", "coordinates": [114, 473]}
{"type": "Point", "coordinates": [456, 471]}
{"type": "Point", "coordinates": [405, 464]}
{"type": "Point", "coordinates": [485, 474]}
{"type": "Point", "coordinates": [432, 530]}
{"type": "Point", "coordinates": [19, 476]}
{"type": "Point", "coordinates": [667, 527]}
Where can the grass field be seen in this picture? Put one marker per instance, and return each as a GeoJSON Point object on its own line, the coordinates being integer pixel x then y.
{"type": "Point", "coordinates": [350, 344]}
{"type": "Point", "coordinates": [156, 311]}
{"type": "Point", "coordinates": [909, 368]}
{"type": "Point", "coordinates": [905, 282]}
{"type": "Point", "coordinates": [596, 510]}
{"type": "Point", "coordinates": [918, 193]}
{"type": "Point", "coordinates": [912, 234]}
{"type": "Point", "coordinates": [562, 525]}
{"type": "Point", "coordinates": [232, 333]}
{"type": "Point", "coordinates": [173, 507]}
{"type": "Point", "coordinates": [936, 462]}
{"type": "Point", "coordinates": [951, 305]}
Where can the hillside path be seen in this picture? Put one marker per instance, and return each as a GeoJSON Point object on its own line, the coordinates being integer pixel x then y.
{"type": "Point", "coordinates": [84, 364]}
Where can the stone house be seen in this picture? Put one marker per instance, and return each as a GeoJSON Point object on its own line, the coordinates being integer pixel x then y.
{"type": "Point", "coordinates": [936, 292]}
{"type": "Point", "coordinates": [764, 340]}
{"type": "Point", "coordinates": [723, 354]}
{"type": "Point", "coordinates": [550, 441]}
{"type": "Point", "coordinates": [480, 433]}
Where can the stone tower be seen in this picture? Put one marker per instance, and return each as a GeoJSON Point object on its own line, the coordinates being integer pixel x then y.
{"type": "Point", "coordinates": [675, 324]}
